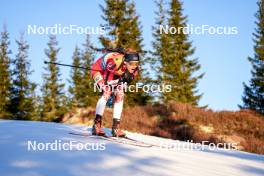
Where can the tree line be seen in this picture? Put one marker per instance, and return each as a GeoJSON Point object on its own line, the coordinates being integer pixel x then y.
{"type": "Point", "coordinates": [171, 61]}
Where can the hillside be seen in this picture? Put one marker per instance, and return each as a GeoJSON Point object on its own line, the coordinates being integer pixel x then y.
{"type": "Point", "coordinates": [185, 122]}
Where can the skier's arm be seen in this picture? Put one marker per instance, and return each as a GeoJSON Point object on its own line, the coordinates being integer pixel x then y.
{"type": "Point", "coordinates": [136, 72]}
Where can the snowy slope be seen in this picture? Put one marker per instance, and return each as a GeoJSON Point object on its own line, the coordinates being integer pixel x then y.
{"type": "Point", "coordinates": [116, 159]}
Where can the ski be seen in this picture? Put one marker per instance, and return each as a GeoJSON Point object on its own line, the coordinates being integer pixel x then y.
{"type": "Point", "coordinates": [122, 140]}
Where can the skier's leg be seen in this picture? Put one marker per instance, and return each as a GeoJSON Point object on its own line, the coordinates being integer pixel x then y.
{"type": "Point", "coordinates": [100, 107]}
{"type": "Point", "coordinates": [99, 81]}
{"type": "Point", "coordinates": [118, 107]}
{"type": "Point", "coordinates": [118, 104]}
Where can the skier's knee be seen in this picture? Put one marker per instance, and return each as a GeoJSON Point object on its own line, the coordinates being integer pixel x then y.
{"type": "Point", "coordinates": [119, 97]}
{"type": "Point", "coordinates": [106, 95]}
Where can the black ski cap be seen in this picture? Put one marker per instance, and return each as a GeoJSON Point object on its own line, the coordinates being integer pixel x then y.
{"type": "Point", "coordinates": [131, 57]}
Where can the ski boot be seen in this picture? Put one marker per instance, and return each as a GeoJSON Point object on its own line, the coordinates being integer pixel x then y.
{"type": "Point", "coordinates": [116, 131]}
{"type": "Point", "coordinates": [97, 130]}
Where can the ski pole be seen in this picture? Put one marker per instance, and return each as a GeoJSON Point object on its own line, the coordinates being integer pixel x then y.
{"type": "Point", "coordinates": [67, 65]}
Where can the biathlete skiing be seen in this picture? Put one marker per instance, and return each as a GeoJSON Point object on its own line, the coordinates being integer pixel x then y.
{"type": "Point", "coordinates": [109, 73]}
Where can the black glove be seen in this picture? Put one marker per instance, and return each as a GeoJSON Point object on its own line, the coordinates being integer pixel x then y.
{"type": "Point", "coordinates": [127, 77]}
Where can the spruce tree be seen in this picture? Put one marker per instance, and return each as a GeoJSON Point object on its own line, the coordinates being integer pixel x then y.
{"type": "Point", "coordinates": [54, 100]}
{"type": "Point", "coordinates": [87, 88]}
{"type": "Point", "coordinates": [37, 104]}
{"type": "Point", "coordinates": [81, 89]}
{"type": "Point", "coordinates": [5, 77]}
{"type": "Point", "coordinates": [76, 77]}
{"type": "Point", "coordinates": [124, 31]}
{"type": "Point", "coordinates": [253, 97]}
{"type": "Point", "coordinates": [174, 51]}
{"type": "Point", "coordinates": [22, 94]}
{"type": "Point", "coordinates": [114, 16]}
{"type": "Point", "coordinates": [160, 46]}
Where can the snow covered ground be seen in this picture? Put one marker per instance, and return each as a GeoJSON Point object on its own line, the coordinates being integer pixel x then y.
{"type": "Point", "coordinates": [100, 157]}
